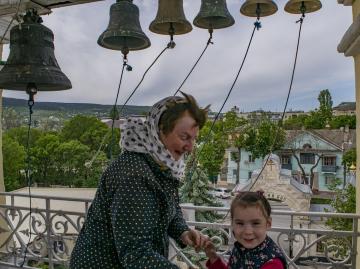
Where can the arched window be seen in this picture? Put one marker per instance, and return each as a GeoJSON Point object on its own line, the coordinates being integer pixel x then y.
{"type": "Point", "coordinates": [307, 146]}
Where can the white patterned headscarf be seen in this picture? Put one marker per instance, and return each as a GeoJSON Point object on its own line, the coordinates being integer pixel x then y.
{"type": "Point", "coordinates": [139, 136]}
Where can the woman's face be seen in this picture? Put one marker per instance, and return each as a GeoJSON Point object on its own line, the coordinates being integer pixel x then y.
{"type": "Point", "coordinates": [250, 226]}
{"type": "Point", "coordinates": [181, 139]}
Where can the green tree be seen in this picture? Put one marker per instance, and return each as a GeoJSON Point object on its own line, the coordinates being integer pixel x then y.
{"type": "Point", "coordinates": [71, 158]}
{"type": "Point", "coordinates": [296, 122]}
{"type": "Point", "coordinates": [14, 162]}
{"type": "Point", "coordinates": [91, 132]}
{"type": "Point", "coordinates": [344, 202]}
{"type": "Point", "coordinates": [315, 121]}
{"type": "Point", "coordinates": [196, 190]}
{"type": "Point", "coordinates": [94, 168]}
{"type": "Point", "coordinates": [212, 148]}
{"type": "Point", "coordinates": [342, 121]}
{"type": "Point", "coordinates": [43, 158]}
{"type": "Point", "coordinates": [10, 118]}
{"type": "Point", "coordinates": [349, 157]}
{"type": "Point", "coordinates": [20, 135]}
{"type": "Point", "coordinates": [326, 103]}
{"type": "Point", "coordinates": [114, 113]}
{"type": "Point", "coordinates": [264, 138]}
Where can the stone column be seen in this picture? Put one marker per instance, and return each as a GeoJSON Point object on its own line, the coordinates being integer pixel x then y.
{"type": "Point", "coordinates": [2, 185]}
{"type": "Point", "coordinates": [356, 12]}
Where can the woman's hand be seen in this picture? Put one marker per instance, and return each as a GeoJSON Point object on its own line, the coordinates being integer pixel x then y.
{"type": "Point", "coordinates": [210, 251]}
{"type": "Point", "coordinates": [195, 239]}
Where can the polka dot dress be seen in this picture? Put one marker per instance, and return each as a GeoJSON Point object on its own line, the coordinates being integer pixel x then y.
{"type": "Point", "coordinates": [134, 211]}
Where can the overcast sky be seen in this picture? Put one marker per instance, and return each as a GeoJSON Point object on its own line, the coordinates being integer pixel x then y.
{"type": "Point", "coordinates": [263, 83]}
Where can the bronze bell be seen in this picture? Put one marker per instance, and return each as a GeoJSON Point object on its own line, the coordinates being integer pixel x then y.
{"type": "Point", "coordinates": [124, 30]}
{"type": "Point", "coordinates": [302, 6]}
{"type": "Point", "coordinates": [170, 19]}
{"type": "Point", "coordinates": [213, 15]}
{"type": "Point", "coordinates": [258, 8]}
{"type": "Point", "coordinates": [31, 59]}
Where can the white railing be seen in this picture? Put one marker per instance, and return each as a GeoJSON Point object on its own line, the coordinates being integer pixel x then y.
{"type": "Point", "coordinates": [56, 221]}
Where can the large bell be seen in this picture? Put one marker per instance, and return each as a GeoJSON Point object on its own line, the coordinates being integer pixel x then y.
{"type": "Point", "coordinates": [213, 15]}
{"type": "Point", "coordinates": [258, 8]}
{"type": "Point", "coordinates": [170, 19]}
{"type": "Point", "coordinates": [302, 6]}
{"type": "Point", "coordinates": [31, 59]}
{"type": "Point", "coordinates": [124, 30]}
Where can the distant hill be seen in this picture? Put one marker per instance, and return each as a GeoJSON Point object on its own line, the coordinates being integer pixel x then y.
{"type": "Point", "coordinates": [85, 108]}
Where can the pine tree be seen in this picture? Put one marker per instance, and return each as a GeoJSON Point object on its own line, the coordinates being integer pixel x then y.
{"type": "Point", "coordinates": [196, 190]}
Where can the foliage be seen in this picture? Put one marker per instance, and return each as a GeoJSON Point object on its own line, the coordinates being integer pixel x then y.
{"type": "Point", "coordinates": [342, 121]}
{"type": "Point", "coordinates": [14, 162]}
{"type": "Point", "coordinates": [71, 158]}
{"type": "Point", "coordinates": [53, 161]}
{"type": "Point", "coordinates": [321, 117]}
{"type": "Point", "coordinates": [296, 122]}
{"type": "Point", "coordinates": [349, 157]}
{"type": "Point", "coordinates": [212, 148]}
{"type": "Point", "coordinates": [196, 190]}
{"type": "Point", "coordinates": [43, 158]}
{"type": "Point", "coordinates": [91, 132]}
{"type": "Point", "coordinates": [315, 121]}
{"type": "Point", "coordinates": [344, 202]}
{"type": "Point", "coordinates": [20, 135]}
{"type": "Point", "coordinates": [264, 138]}
{"type": "Point", "coordinates": [10, 118]}
{"type": "Point", "coordinates": [325, 105]}
{"type": "Point", "coordinates": [114, 113]}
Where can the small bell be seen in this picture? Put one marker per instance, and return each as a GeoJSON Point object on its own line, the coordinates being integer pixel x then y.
{"type": "Point", "coordinates": [258, 8]}
{"type": "Point", "coordinates": [124, 31]}
{"type": "Point", "coordinates": [302, 6]}
{"type": "Point", "coordinates": [31, 62]}
{"type": "Point", "coordinates": [213, 14]}
{"type": "Point", "coordinates": [170, 19]}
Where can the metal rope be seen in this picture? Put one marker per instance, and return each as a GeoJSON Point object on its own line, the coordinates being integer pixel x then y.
{"type": "Point", "coordinates": [301, 20]}
{"type": "Point", "coordinates": [257, 26]}
{"type": "Point", "coordinates": [197, 61]}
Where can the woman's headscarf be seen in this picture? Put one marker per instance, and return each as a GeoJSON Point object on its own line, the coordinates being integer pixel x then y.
{"type": "Point", "coordinates": [139, 136]}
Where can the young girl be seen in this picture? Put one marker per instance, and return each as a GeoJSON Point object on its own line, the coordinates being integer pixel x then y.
{"type": "Point", "coordinates": [253, 249]}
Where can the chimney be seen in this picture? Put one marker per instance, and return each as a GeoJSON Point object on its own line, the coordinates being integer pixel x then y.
{"type": "Point", "coordinates": [347, 128]}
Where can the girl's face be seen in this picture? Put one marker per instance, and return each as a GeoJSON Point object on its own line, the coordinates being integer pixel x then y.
{"type": "Point", "coordinates": [250, 226]}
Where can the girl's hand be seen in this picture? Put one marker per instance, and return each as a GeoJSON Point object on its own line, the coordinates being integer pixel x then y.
{"type": "Point", "coordinates": [210, 251]}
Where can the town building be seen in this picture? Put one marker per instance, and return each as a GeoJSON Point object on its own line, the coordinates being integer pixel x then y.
{"type": "Point", "coordinates": [312, 157]}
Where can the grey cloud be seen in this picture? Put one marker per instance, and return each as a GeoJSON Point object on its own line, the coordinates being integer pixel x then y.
{"type": "Point", "coordinates": [263, 82]}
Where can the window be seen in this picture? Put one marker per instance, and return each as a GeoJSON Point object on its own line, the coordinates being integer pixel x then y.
{"type": "Point", "coordinates": [329, 161]}
{"type": "Point", "coordinates": [307, 158]}
{"type": "Point", "coordinates": [329, 179]}
{"type": "Point", "coordinates": [285, 159]}
{"type": "Point", "coordinates": [234, 172]}
{"type": "Point", "coordinates": [251, 159]}
{"type": "Point", "coordinates": [249, 174]}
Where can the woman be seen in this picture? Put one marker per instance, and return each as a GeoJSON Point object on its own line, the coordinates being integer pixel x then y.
{"type": "Point", "coordinates": [136, 207]}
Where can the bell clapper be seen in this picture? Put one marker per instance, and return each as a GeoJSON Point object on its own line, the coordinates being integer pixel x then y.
{"type": "Point", "coordinates": [171, 44]}
{"type": "Point", "coordinates": [125, 52]}
{"type": "Point", "coordinates": [258, 14]}
{"type": "Point", "coordinates": [31, 91]}
{"type": "Point", "coordinates": [303, 11]}
{"type": "Point", "coordinates": [211, 36]}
